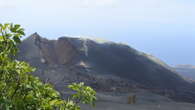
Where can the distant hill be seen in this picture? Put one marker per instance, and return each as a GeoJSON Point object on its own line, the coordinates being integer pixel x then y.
{"type": "Point", "coordinates": [106, 66]}
{"type": "Point", "coordinates": [187, 71]}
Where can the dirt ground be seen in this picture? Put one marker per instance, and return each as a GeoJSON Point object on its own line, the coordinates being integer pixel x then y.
{"type": "Point", "coordinates": [161, 106]}
{"type": "Point", "coordinates": [144, 101]}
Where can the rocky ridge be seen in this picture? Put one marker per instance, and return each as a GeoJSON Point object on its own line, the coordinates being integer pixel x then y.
{"type": "Point", "coordinates": [107, 66]}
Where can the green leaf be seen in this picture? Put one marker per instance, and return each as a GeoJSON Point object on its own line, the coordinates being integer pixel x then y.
{"type": "Point", "coordinates": [16, 26]}
{"type": "Point", "coordinates": [21, 31]}
{"type": "Point", "coordinates": [1, 25]}
{"type": "Point", "coordinates": [16, 39]}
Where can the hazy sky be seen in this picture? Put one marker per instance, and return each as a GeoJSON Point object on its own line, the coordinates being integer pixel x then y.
{"type": "Point", "coordinates": [163, 28]}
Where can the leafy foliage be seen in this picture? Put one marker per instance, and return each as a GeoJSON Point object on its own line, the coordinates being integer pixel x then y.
{"type": "Point", "coordinates": [22, 91]}
{"type": "Point", "coordinates": [84, 94]}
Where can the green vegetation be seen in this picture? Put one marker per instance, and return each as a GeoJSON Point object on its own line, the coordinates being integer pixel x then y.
{"type": "Point", "coordinates": [20, 90]}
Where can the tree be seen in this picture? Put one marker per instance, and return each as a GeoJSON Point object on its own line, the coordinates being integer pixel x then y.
{"type": "Point", "coordinates": [20, 90]}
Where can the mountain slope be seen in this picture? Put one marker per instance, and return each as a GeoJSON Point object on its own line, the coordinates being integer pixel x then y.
{"type": "Point", "coordinates": [187, 71]}
{"type": "Point", "coordinates": [105, 66]}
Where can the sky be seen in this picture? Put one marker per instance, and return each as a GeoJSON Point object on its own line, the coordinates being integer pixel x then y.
{"type": "Point", "coordinates": [162, 28]}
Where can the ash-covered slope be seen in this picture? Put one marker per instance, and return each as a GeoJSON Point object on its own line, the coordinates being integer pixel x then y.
{"type": "Point", "coordinates": [105, 66]}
